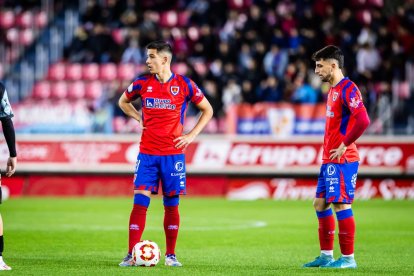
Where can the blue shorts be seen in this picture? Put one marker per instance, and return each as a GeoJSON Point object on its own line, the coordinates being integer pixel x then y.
{"type": "Point", "coordinates": [169, 169]}
{"type": "Point", "coordinates": [336, 182]}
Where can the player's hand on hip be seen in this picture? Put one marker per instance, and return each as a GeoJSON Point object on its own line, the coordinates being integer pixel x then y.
{"type": "Point", "coordinates": [11, 166]}
{"type": "Point", "coordinates": [183, 141]}
{"type": "Point", "coordinates": [338, 152]}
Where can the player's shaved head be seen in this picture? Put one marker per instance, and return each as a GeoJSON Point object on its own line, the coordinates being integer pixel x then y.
{"type": "Point", "coordinates": [330, 52]}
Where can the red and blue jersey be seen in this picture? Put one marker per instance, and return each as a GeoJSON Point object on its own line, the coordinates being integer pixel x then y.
{"type": "Point", "coordinates": [343, 103]}
{"type": "Point", "coordinates": [163, 110]}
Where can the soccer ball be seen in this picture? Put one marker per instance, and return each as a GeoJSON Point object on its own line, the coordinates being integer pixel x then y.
{"type": "Point", "coordinates": [146, 253]}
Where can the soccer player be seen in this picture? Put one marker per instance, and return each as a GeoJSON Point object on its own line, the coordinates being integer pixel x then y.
{"type": "Point", "coordinates": [164, 96]}
{"type": "Point", "coordinates": [346, 120]}
{"type": "Point", "coordinates": [6, 114]}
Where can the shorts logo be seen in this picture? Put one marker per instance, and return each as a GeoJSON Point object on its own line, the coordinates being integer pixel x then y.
{"type": "Point", "coordinates": [353, 180]}
{"type": "Point", "coordinates": [174, 90]}
{"type": "Point", "coordinates": [179, 166]}
{"type": "Point", "coordinates": [149, 102]}
{"type": "Point", "coordinates": [331, 169]}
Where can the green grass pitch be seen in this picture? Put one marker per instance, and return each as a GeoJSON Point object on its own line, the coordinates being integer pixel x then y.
{"type": "Point", "coordinates": [88, 236]}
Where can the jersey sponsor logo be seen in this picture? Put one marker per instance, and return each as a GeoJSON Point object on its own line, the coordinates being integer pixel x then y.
{"type": "Point", "coordinates": [149, 102]}
{"type": "Point", "coordinates": [179, 166]}
{"type": "Point", "coordinates": [174, 90]}
{"type": "Point", "coordinates": [335, 96]}
{"type": "Point", "coordinates": [159, 103]}
{"type": "Point", "coordinates": [330, 169]}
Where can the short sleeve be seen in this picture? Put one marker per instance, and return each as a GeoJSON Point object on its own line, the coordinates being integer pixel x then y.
{"type": "Point", "coordinates": [133, 91]}
{"type": "Point", "coordinates": [353, 99]}
{"type": "Point", "coordinates": [197, 95]}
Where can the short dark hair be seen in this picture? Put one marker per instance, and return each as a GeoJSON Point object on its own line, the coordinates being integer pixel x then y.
{"type": "Point", "coordinates": [160, 46]}
{"type": "Point", "coordinates": [330, 52]}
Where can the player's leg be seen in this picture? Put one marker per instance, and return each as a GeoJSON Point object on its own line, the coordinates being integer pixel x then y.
{"type": "Point", "coordinates": [171, 226]}
{"type": "Point", "coordinates": [326, 223]}
{"type": "Point", "coordinates": [173, 179]}
{"type": "Point", "coordinates": [344, 215]}
{"type": "Point", "coordinates": [145, 183]}
{"type": "Point", "coordinates": [3, 265]}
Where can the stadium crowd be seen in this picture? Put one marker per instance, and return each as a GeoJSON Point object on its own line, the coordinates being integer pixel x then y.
{"type": "Point", "coordinates": [259, 50]}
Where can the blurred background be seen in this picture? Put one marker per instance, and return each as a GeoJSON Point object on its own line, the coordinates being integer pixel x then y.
{"type": "Point", "coordinates": [65, 64]}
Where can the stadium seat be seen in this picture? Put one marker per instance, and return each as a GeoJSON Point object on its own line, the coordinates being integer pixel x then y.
{"type": "Point", "coordinates": [118, 123]}
{"type": "Point", "coordinates": [7, 19]}
{"type": "Point", "coordinates": [40, 19]}
{"type": "Point", "coordinates": [108, 71]}
{"type": "Point", "coordinates": [126, 71]}
{"type": "Point", "coordinates": [180, 68]}
{"type": "Point", "coordinates": [168, 19]}
{"type": "Point", "coordinates": [93, 90]}
{"type": "Point", "coordinates": [238, 4]}
{"type": "Point", "coordinates": [90, 71]}
{"type": "Point", "coordinates": [193, 33]}
{"type": "Point", "coordinates": [76, 90]}
{"type": "Point", "coordinates": [118, 35]}
{"type": "Point", "coordinates": [41, 90]}
{"type": "Point", "coordinates": [364, 17]}
{"type": "Point", "coordinates": [26, 37]}
{"type": "Point", "coordinates": [25, 19]}
{"type": "Point", "coordinates": [73, 71]}
{"type": "Point", "coordinates": [200, 67]}
{"type": "Point", "coordinates": [12, 35]}
{"type": "Point", "coordinates": [57, 71]}
{"type": "Point", "coordinates": [183, 18]}
{"type": "Point", "coordinates": [59, 90]}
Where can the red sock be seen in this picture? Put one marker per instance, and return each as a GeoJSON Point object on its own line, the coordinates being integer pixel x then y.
{"type": "Point", "coordinates": [171, 225]}
{"type": "Point", "coordinates": [326, 229]}
{"type": "Point", "coordinates": [136, 224]}
{"type": "Point", "coordinates": [347, 235]}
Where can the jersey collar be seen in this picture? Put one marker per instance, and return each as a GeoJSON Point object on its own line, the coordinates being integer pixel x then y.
{"type": "Point", "coordinates": [172, 76]}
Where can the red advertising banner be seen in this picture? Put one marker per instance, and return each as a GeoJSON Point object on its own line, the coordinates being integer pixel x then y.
{"type": "Point", "coordinates": [302, 188]}
{"type": "Point", "coordinates": [208, 155]}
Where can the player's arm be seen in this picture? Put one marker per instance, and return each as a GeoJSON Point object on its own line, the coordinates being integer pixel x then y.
{"type": "Point", "coordinates": [127, 107]}
{"type": "Point", "coordinates": [206, 114]}
{"type": "Point", "coordinates": [362, 121]}
{"type": "Point", "coordinates": [10, 136]}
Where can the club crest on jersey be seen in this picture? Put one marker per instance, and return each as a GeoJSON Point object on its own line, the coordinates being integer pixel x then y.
{"type": "Point", "coordinates": [174, 90]}
{"type": "Point", "coordinates": [335, 96]}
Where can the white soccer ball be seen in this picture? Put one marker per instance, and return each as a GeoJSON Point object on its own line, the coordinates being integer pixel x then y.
{"type": "Point", "coordinates": [146, 253]}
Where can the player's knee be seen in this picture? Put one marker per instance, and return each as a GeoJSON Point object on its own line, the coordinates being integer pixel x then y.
{"type": "Point", "coordinates": [141, 199]}
{"type": "Point", "coordinates": [320, 205]}
{"type": "Point", "coordinates": [340, 207]}
{"type": "Point", "coordinates": [171, 200]}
